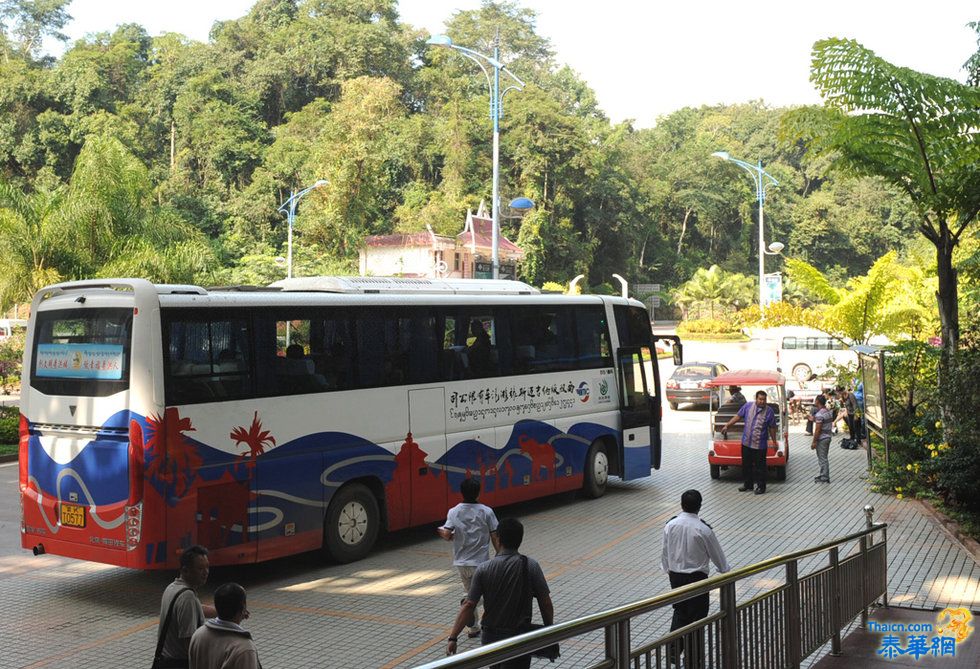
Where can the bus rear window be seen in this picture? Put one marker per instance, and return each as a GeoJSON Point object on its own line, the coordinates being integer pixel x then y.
{"type": "Point", "coordinates": [82, 352]}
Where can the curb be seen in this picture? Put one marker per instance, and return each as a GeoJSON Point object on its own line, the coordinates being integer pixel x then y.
{"type": "Point", "coordinates": [8, 458]}
{"type": "Point", "coordinates": [951, 528]}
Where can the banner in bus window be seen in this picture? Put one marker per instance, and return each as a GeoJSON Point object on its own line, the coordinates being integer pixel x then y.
{"type": "Point", "coordinates": [80, 361]}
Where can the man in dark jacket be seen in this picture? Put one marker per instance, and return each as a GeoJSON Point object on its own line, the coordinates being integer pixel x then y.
{"type": "Point", "coordinates": [507, 583]}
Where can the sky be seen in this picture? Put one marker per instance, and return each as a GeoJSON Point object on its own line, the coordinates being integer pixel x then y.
{"type": "Point", "coordinates": [647, 58]}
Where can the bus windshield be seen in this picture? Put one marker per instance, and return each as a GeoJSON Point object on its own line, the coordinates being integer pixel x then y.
{"type": "Point", "coordinates": [82, 352]}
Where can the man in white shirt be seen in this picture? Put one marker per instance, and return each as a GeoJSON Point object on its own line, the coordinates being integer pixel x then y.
{"type": "Point", "coordinates": [689, 545]}
{"type": "Point", "coordinates": [472, 527]}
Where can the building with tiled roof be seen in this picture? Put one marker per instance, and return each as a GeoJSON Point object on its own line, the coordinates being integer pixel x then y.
{"type": "Point", "coordinates": [426, 254]}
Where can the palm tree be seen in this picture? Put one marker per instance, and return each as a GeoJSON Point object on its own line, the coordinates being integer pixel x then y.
{"type": "Point", "coordinates": [715, 287]}
{"type": "Point", "coordinates": [33, 245]}
{"type": "Point", "coordinates": [103, 223]}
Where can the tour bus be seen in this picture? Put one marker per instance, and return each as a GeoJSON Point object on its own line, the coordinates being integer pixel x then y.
{"type": "Point", "coordinates": [317, 413]}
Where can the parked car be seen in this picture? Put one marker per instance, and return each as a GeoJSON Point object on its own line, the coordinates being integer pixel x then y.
{"type": "Point", "coordinates": [689, 383]}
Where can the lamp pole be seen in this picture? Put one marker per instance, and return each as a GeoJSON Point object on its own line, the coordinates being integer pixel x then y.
{"type": "Point", "coordinates": [496, 111]}
{"type": "Point", "coordinates": [289, 208]}
{"type": "Point", "coordinates": [759, 177]}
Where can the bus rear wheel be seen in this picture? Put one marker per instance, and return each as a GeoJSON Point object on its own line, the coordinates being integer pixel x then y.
{"type": "Point", "coordinates": [596, 473]}
{"type": "Point", "coordinates": [352, 524]}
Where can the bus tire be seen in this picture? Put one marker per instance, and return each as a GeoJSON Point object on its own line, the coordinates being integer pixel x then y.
{"type": "Point", "coordinates": [716, 471]}
{"type": "Point", "coordinates": [596, 472]}
{"type": "Point", "coordinates": [351, 525]}
{"type": "Point", "coordinates": [802, 372]}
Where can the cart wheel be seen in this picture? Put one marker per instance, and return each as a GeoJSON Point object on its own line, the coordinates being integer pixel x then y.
{"type": "Point", "coordinates": [716, 471]}
{"type": "Point", "coordinates": [673, 405]}
{"type": "Point", "coordinates": [780, 473]}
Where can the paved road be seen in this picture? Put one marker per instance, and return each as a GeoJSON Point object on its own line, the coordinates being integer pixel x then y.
{"type": "Point", "coordinates": [394, 608]}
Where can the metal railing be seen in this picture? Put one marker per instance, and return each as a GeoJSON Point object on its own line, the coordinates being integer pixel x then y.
{"type": "Point", "coordinates": [778, 628]}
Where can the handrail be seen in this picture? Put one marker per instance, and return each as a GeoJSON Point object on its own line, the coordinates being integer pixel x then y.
{"type": "Point", "coordinates": [521, 645]}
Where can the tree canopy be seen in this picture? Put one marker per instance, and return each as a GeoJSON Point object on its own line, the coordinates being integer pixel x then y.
{"type": "Point", "coordinates": [169, 157]}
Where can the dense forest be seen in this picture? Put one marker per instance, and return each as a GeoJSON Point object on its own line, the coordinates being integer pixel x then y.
{"type": "Point", "coordinates": [167, 158]}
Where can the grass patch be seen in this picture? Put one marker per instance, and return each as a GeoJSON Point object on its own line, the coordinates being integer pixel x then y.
{"type": "Point", "coordinates": [8, 449]}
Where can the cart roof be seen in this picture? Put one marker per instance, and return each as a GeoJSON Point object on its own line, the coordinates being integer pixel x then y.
{"type": "Point", "coordinates": [747, 377]}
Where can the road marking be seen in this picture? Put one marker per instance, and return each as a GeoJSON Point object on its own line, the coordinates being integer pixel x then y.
{"type": "Point", "coordinates": [412, 652]}
{"type": "Point", "coordinates": [94, 644]}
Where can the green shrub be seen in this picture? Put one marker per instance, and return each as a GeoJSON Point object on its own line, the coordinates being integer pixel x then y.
{"type": "Point", "coordinates": [11, 359]}
{"type": "Point", "coordinates": [930, 456]}
{"type": "Point", "coordinates": [9, 425]}
{"type": "Point", "coordinates": [707, 326]}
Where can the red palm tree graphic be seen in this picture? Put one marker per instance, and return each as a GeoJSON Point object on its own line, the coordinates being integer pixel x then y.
{"type": "Point", "coordinates": [255, 438]}
{"type": "Point", "coordinates": [166, 438]}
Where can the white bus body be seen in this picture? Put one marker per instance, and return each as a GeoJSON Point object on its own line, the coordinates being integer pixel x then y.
{"type": "Point", "coordinates": [262, 423]}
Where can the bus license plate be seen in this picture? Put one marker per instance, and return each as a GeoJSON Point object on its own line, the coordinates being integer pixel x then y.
{"type": "Point", "coordinates": [72, 515]}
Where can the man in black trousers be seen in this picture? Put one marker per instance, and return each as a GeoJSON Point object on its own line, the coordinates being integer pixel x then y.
{"type": "Point", "coordinates": [689, 545]}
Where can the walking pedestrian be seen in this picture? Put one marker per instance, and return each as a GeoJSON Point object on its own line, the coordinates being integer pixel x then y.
{"type": "Point", "coordinates": [760, 422]}
{"type": "Point", "coordinates": [222, 642]}
{"type": "Point", "coordinates": [689, 545]}
{"type": "Point", "coordinates": [181, 612]}
{"type": "Point", "coordinates": [822, 435]}
{"type": "Point", "coordinates": [506, 584]}
{"type": "Point", "coordinates": [472, 527]}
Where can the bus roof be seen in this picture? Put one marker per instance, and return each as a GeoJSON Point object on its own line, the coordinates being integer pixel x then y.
{"type": "Point", "coordinates": [388, 284]}
{"type": "Point", "coordinates": [748, 377]}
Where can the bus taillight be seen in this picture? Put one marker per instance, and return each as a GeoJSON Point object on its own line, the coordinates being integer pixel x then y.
{"type": "Point", "coordinates": [23, 442]}
{"type": "Point", "coordinates": [134, 507]}
{"type": "Point", "coordinates": [135, 463]}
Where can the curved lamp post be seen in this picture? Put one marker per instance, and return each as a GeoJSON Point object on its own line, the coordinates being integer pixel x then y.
{"type": "Point", "coordinates": [759, 177]}
{"type": "Point", "coordinates": [622, 284]}
{"type": "Point", "coordinates": [496, 110]}
{"type": "Point", "coordinates": [289, 208]}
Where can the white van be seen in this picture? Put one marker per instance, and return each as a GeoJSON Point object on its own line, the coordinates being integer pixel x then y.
{"type": "Point", "coordinates": [802, 351]}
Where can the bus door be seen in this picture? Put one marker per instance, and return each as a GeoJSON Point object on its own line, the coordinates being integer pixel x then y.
{"type": "Point", "coordinates": [640, 446]}
{"type": "Point", "coordinates": [429, 474]}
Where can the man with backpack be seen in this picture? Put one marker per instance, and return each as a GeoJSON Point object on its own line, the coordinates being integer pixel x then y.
{"type": "Point", "coordinates": [506, 584]}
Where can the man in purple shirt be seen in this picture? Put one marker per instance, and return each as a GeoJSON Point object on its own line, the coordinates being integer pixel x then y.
{"type": "Point", "coordinates": [760, 422]}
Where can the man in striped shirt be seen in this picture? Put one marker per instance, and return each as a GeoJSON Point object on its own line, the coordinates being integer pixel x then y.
{"type": "Point", "coordinates": [760, 423]}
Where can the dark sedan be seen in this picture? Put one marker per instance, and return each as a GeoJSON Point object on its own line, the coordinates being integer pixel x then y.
{"type": "Point", "coordinates": [688, 383]}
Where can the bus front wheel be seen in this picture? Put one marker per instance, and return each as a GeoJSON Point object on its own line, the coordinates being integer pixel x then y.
{"type": "Point", "coordinates": [596, 471]}
{"type": "Point", "coordinates": [352, 524]}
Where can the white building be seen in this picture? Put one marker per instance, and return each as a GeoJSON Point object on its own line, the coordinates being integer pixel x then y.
{"type": "Point", "coordinates": [426, 254]}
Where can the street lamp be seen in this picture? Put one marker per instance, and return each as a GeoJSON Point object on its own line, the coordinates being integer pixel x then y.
{"type": "Point", "coordinates": [289, 208]}
{"type": "Point", "coordinates": [759, 177]}
{"type": "Point", "coordinates": [496, 101]}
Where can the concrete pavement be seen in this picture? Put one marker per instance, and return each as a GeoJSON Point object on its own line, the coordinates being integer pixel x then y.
{"type": "Point", "coordinates": [394, 608]}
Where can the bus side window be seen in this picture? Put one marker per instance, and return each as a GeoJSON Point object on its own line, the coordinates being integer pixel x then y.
{"type": "Point", "coordinates": [592, 338]}
{"type": "Point", "coordinates": [208, 360]}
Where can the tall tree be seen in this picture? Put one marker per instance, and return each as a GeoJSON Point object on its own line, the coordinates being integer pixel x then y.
{"type": "Point", "coordinates": [918, 132]}
{"type": "Point", "coordinates": [31, 21]}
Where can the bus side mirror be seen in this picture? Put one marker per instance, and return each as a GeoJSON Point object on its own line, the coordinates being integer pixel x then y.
{"type": "Point", "coordinates": [678, 353]}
